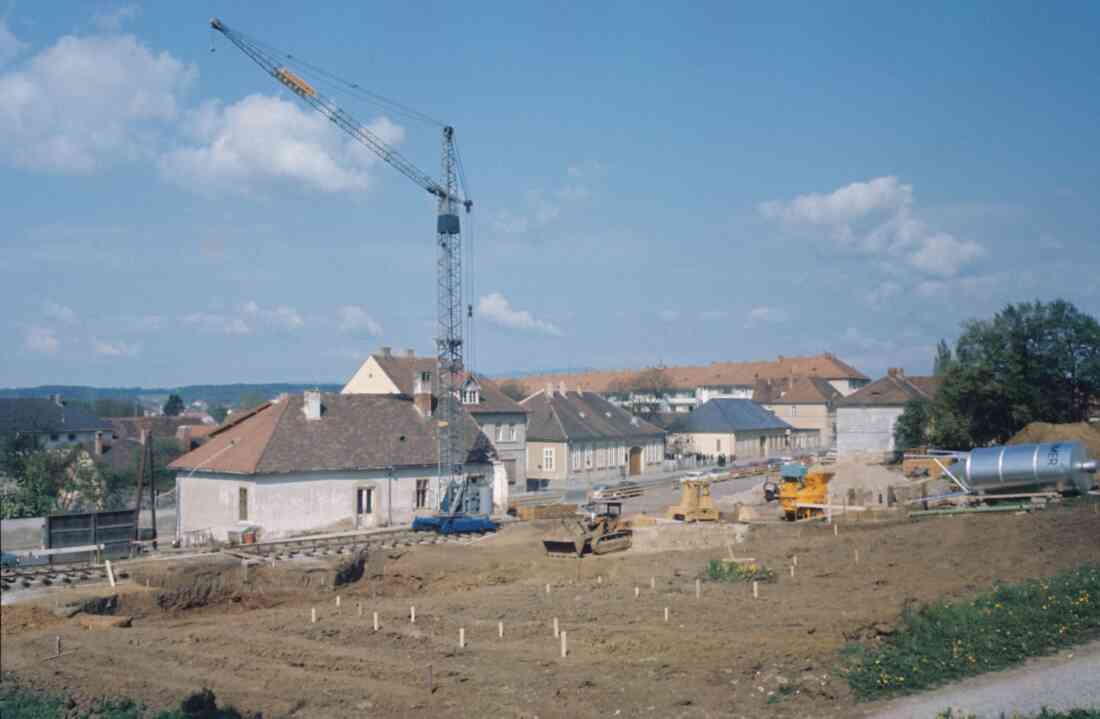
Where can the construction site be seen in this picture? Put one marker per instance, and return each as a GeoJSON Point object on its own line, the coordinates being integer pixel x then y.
{"type": "Point", "coordinates": [591, 611]}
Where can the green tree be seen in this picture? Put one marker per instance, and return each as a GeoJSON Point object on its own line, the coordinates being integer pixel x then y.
{"type": "Point", "coordinates": [943, 359]}
{"type": "Point", "coordinates": [1030, 362]}
{"type": "Point", "coordinates": [174, 406]}
{"type": "Point", "coordinates": [218, 412]}
{"type": "Point", "coordinates": [911, 429]}
{"type": "Point", "coordinates": [251, 399]}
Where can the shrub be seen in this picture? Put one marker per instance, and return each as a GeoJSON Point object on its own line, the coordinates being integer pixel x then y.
{"type": "Point", "coordinates": [724, 570]}
{"type": "Point", "coordinates": [951, 640]}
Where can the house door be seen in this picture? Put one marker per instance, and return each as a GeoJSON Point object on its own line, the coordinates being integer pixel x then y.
{"type": "Point", "coordinates": [364, 500]}
{"type": "Point", "coordinates": [763, 446]}
{"type": "Point", "coordinates": [635, 461]}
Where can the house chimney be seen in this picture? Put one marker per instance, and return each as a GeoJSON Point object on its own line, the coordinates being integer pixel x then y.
{"type": "Point", "coordinates": [183, 434]}
{"type": "Point", "coordinates": [387, 352]}
{"type": "Point", "coordinates": [99, 444]}
{"type": "Point", "coordinates": [422, 393]}
{"type": "Point", "coordinates": [895, 372]}
{"type": "Point", "coordinates": [410, 353]}
{"type": "Point", "coordinates": [311, 405]}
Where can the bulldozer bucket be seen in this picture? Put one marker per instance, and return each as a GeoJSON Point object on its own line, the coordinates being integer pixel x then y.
{"type": "Point", "coordinates": [563, 547]}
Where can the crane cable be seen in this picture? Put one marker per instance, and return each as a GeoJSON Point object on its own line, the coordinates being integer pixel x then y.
{"type": "Point", "coordinates": [349, 86]}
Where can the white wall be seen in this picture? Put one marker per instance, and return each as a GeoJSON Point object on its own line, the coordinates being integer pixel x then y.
{"type": "Point", "coordinates": [865, 429]}
{"type": "Point", "coordinates": [283, 505]}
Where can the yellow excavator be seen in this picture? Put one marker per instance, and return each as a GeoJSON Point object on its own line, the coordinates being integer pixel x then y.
{"type": "Point", "coordinates": [800, 485]}
{"type": "Point", "coordinates": [600, 530]}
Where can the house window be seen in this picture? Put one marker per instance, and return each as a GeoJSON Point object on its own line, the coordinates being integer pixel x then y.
{"type": "Point", "coordinates": [364, 500]}
{"type": "Point", "coordinates": [511, 433]}
{"type": "Point", "coordinates": [718, 446]}
{"type": "Point", "coordinates": [501, 430]}
{"type": "Point", "coordinates": [469, 396]}
{"type": "Point", "coordinates": [72, 437]}
{"type": "Point", "coordinates": [575, 458]}
{"type": "Point", "coordinates": [548, 459]}
{"type": "Point", "coordinates": [54, 437]}
{"type": "Point", "coordinates": [588, 457]}
{"type": "Point", "coordinates": [794, 410]}
{"type": "Point", "coordinates": [242, 504]}
{"type": "Point", "coordinates": [421, 493]}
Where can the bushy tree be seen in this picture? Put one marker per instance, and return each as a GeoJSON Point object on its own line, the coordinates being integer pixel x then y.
{"type": "Point", "coordinates": [218, 412]}
{"type": "Point", "coordinates": [513, 390]}
{"type": "Point", "coordinates": [911, 429]}
{"type": "Point", "coordinates": [174, 406]}
{"type": "Point", "coordinates": [1032, 362]}
{"type": "Point", "coordinates": [943, 359]}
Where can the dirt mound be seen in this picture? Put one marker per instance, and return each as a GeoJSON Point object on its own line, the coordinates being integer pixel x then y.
{"type": "Point", "coordinates": [1083, 432]}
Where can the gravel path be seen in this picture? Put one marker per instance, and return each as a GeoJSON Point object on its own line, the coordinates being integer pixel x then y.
{"type": "Point", "coordinates": [1067, 680]}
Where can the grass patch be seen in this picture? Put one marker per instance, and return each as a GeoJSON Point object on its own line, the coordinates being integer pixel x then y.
{"type": "Point", "coordinates": [18, 703]}
{"type": "Point", "coordinates": [946, 641]}
{"type": "Point", "coordinates": [724, 570]}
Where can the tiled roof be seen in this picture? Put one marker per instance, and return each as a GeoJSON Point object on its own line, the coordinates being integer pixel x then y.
{"type": "Point", "coordinates": [795, 390]}
{"type": "Point", "coordinates": [403, 370]}
{"type": "Point", "coordinates": [728, 415]}
{"type": "Point", "coordinates": [576, 415]}
{"type": "Point", "coordinates": [893, 390]}
{"type": "Point", "coordinates": [825, 366]}
{"type": "Point", "coordinates": [131, 427]}
{"type": "Point", "coordinates": [32, 414]}
{"type": "Point", "coordinates": [355, 432]}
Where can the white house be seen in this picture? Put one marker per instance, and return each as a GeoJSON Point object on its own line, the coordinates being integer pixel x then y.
{"type": "Point", "coordinates": [320, 462]}
{"type": "Point", "coordinates": [865, 420]}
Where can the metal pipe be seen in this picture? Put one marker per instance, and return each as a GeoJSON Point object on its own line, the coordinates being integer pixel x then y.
{"type": "Point", "coordinates": [972, 510]}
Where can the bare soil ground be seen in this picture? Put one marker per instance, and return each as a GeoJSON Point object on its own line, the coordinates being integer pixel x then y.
{"type": "Point", "coordinates": [725, 654]}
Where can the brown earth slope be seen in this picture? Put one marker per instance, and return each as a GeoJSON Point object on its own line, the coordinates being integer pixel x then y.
{"type": "Point", "coordinates": [725, 654]}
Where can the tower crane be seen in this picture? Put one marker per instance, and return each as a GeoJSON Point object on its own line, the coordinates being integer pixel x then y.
{"type": "Point", "coordinates": [449, 414]}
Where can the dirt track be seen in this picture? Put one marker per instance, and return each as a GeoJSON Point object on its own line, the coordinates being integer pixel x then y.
{"type": "Point", "coordinates": [718, 656]}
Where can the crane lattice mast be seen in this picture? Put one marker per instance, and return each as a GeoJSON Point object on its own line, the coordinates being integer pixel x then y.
{"type": "Point", "coordinates": [448, 339]}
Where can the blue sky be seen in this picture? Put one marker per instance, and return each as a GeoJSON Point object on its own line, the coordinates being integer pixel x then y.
{"type": "Point", "coordinates": [651, 184]}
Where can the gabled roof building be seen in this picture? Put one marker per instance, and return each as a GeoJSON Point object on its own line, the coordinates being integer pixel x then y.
{"type": "Point", "coordinates": [738, 429]}
{"type": "Point", "coordinates": [502, 419]}
{"type": "Point", "coordinates": [52, 421]}
{"type": "Point", "coordinates": [580, 437]}
{"type": "Point", "coordinates": [865, 420]}
{"type": "Point", "coordinates": [318, 462]}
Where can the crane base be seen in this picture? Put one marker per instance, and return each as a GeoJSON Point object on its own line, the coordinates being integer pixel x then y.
{"type": "Point", "coordinates": [454, 524]}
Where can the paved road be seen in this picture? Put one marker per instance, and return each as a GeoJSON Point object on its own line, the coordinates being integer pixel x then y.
{"type": "Point", "coordinates": [1068, 680]}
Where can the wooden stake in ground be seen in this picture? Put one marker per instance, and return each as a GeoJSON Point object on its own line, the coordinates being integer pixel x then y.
{"type": "Point", "coordinates": [652, 582]}
{"type": "Point", "coordinates": [794, 559]}
{"type": "Point", "coordinates": [857, 556]}
{"type": "Point", "coordinates": [556, 633]}
{"type": "Point", "coordinates": [412, 615]}
{"type": "Point", "coordinates": [547, 588]}
{"type": "Point", "coordinates": [431, 688]}
{"type": "Point", "coordinates": [110, 573]}
{"type": "Point", "coordinates": [461, 637]}
{"type": "Point", "coordinates": [360, 609]}
{"type": "Point", "coordinates": [599, 579]}
{"type": "Point", "coordinates": [337, 601]}
{"type": "Point", "coordinates": [836, 531]}
{"type": "Point", "coordinates": [57, 653]}
{"type": "Point", "coordinates": [313, 615]}
{"type": "Point", "coordinates": [376, 621]}
{"type": "Point", "coordinates": [564, 651]}
{"type": "Point", "coordinates": [792, 571]}
{"type": "Point", "coordinates": [637, 592]}
{"type": "Point", "coordinates": [755, 591]}
{"type": "Point", "coordinates": [666, 614]}
{"type": "Point", "coordinates": [500, 629]}
{"type": "Point", "coordinates": [698, 589]}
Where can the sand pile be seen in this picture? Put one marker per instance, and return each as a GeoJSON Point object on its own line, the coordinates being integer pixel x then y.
{"type": "Point", "coordinates": [867, 484]}
{"type": "Point", "coordinates": [1083, 432]}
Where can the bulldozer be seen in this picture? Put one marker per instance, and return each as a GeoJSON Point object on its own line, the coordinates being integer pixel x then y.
{"type": "Point", "coordinates": [802, 486]}
{"type": "Point", "coordinates": [600, 530]}
{"type": "Point", "coordinates": [695, 503]}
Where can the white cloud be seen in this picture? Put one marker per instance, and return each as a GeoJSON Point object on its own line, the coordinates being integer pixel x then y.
{"type": "Point", "coordinates": [496, 309]}
{"type": "Point", "coordinates": [669, 315]}
{"type": "Point", "coordinates": [88, 102]}
{"type": "Point", "coordinates": [766, 313]}
{"type": "Point", "coordinates": [112, 20]}
{"type": "Point", "coordinates": [262, 140]}
{"type": "Point", "coordinates": [10, 45]}
{"type": "Point", "coordinates": [883, 292]}
{"type": "Point", "coordinates": [843, 205]}
{"type": "Point", "coordinates": [353, 319]}
{"type": "Point", "coordinates": [117, 348]}
{"type": "Point", "coordinates": [41, 339]}
{"type": "Point", "coordinates": [510, 224]}
{"type": "Point", "coordinates": [281, 317]}
{"type": "Point", "coordinates": [60, 313]}
{"type": "Point", "coordinates": [215, 322]}
{"type": "Point", "coordinates": [877, 218]}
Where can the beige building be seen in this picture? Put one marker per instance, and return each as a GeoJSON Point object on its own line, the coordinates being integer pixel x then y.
{"type": "Point", "coordinates": [738, 429]}
{"type": "Point", "coordinates": [580, 438]}
{"type": "Point", "coordinates": [501, 418]}
{"type": "Point", "coordinates": [805, 403]}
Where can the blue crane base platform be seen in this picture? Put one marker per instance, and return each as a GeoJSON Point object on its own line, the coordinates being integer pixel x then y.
{"type": "Point", "coordinates": [454, 524]}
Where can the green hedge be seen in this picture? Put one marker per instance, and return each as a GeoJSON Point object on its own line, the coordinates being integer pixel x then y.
{"type": "Point", "coordinates": [951, 640]}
